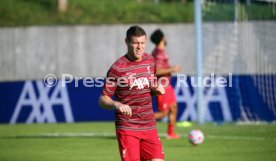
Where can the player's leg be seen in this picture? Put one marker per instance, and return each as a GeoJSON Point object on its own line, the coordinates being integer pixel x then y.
{"type": "Point", "coordinates": [172, 121]}
{"type": "Point", "coordinates": [171, 100]}
{"type": "Point", "coordinates": [173, 113]}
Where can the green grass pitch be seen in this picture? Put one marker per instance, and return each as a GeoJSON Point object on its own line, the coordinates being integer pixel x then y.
{"type": "Point", "coordinates": [96, 141]}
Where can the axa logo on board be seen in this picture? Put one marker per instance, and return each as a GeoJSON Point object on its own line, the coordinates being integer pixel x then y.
{"type": "Point", "coordinates": [42, 103]}
{"type": "Point", "coordinates": [42, 99]}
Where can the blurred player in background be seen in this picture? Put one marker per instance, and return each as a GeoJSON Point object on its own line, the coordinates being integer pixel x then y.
{"type": "Point", "coordinates": [167, 104]}
{"type": "Point", "coordinates": [129, 79]}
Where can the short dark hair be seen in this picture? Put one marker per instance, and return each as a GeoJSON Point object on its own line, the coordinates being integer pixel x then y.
{"type": "Point", "coordinates": [135, 31]}
{"type": "Point", "coordinates": [157, 36]}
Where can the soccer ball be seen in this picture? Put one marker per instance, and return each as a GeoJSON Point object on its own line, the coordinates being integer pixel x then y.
{"type": "Point", "coordinates": [196, 137]}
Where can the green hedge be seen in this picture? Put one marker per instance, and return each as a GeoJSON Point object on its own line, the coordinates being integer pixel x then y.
{"type": "Point", "coordinates": [44, 12]}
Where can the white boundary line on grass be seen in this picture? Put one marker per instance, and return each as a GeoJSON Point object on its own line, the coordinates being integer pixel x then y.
{"type": "Point", "coordinates": [106, 134]}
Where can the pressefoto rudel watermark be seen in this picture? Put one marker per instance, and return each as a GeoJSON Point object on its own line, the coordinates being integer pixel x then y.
{"type": "Point", "coordinates": [207, 81]}
{"type": "Point", "coordinates": [211, 80]}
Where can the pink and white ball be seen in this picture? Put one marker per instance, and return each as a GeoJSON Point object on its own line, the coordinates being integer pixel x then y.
{"type": "Point", "coordinates": [196, 137]}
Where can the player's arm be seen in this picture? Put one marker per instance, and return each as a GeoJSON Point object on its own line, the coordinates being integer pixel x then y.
{"type": "Point", "coordinates": [107, 103]}
{"type": "Point", "coordinates": [155, 87]}
{"type": "Point", "coordinates": [164, 71]}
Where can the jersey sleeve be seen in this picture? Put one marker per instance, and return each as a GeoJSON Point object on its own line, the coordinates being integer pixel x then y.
{"type": "Point", "coordinates": [158, 62]}
{"type": "Point", "coordinates": [110, 84]}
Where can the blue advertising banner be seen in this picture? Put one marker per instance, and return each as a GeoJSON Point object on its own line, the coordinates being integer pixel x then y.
{"type": "Point", "coordinates": [245, 98]}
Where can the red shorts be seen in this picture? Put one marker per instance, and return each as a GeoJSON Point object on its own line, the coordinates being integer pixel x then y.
{"type": "Point", "coordinates": [164, 101]}
{"type": "Point", "coordinates": [139, 145]}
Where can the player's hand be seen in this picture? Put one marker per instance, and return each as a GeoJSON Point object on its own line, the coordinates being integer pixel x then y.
{"type": "Point", "coordinates": [160, 89]}
{"type": "Point", "coordinates": [176, 68]}
{"type": "Point", "coordinates": [125, 109]}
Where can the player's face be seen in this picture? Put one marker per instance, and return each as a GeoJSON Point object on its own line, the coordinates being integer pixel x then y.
{"type": "Point", "coordinates": [136, 47]}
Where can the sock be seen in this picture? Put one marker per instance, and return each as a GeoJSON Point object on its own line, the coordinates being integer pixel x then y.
{"type": "Point", "coordinates": [170, 129]}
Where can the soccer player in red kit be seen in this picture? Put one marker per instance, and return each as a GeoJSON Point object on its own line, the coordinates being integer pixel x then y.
{"type": "Point", "coordinates": [167, 105]}
{"type": "Point", "coordinates": [129, 79]}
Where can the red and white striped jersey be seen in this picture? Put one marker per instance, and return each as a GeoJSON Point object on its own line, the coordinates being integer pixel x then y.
{"type": "Point", "coordinates": [162, 61]}
{"type": "Point", "coordinates": [130, 82]}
